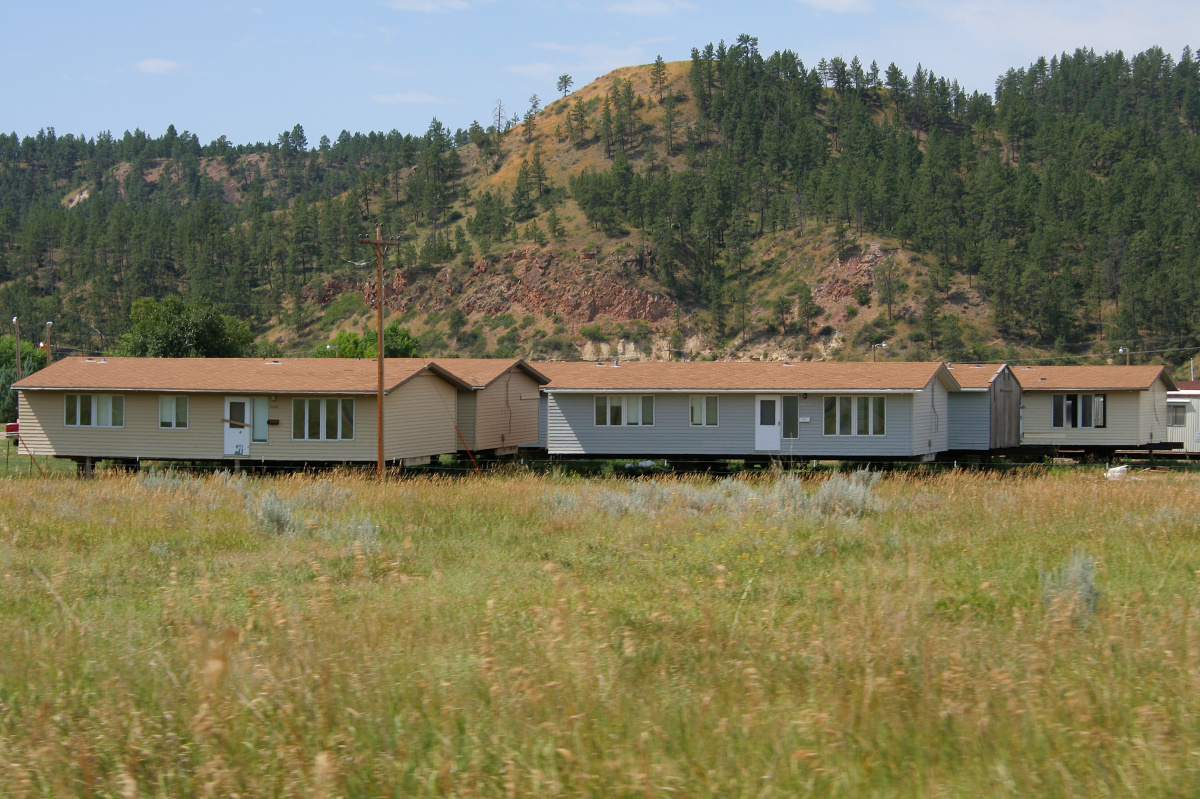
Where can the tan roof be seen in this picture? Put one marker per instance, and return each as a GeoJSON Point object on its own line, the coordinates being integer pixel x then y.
{"type": "Point", "coordinates": [232, 375]}
{"type": "Point", "coordinates": [1090, 378]}
{"type": "Point", "coordinates": [974, 375]}
{"type": "Point", "coordinates": [482, 372]}
{"type": "Point", "coordinates": [740, 376]}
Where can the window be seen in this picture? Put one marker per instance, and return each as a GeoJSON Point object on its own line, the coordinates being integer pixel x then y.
{"type": "Point", "coordinates": [632, 411]}
{"type": "Point", "coordinates": [328, 419]}
{"type": "Point", "coordinates": [173, 412]}
{"type": "Point", "coordinates": [1176, 415]}
{"type": "Point", "coordinates": [855, 416]}
{"type": "Point", "coordinates": [258, 420]}
{"type": "Point", "coordinates": [791, 416]}
{"type": "Point", "coordinates": [704, 411]}
{"type": "Point", "coordinates": [94, 410]}
{"type": "Point", "coordinates": [1078, 410]}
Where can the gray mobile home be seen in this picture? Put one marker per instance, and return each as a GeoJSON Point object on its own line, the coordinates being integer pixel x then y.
{"type": "Point", "coordinates": [1183, 415]}
{"type": "Point", "coordinates": [986, 414]}
{"type": "Point", "coordinates": [747, 409]}
{"type": "Point", "coordinates": [244, 410]}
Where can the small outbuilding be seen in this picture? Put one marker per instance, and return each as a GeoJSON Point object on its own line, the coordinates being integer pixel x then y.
{"type": "Point", "coordinates": [243, 410]}
{"type": "Point", "coordinates": [498, 408]}
{"type": "Point", "coordinates": [986, 413]}
{"type": "Point", "coordinates": [771, 409]}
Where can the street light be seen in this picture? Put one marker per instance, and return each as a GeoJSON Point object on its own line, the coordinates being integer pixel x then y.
{"type": "Point", "coordinates": [874, 347]}
{"type": "Point", "coordinates": [17, 335]}
{"type": "Point", "coordinates": [1125, 350]}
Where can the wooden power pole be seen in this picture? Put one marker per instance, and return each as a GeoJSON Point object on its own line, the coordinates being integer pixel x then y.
{"type": "Point", "coordinates": [379, 243]}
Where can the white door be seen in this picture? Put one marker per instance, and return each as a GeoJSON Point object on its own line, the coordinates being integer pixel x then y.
{"type": "Point", "coordinates": [237, 426]}
{"type": "Point", "coordinates": [768, 424]}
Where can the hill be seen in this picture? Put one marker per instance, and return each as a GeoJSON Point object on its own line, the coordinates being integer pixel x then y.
{"type": "Point", "coordinates": [735, 205]}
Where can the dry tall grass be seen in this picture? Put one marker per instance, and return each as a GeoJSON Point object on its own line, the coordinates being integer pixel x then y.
{"type": "Point", "coordinates": [532, 636]}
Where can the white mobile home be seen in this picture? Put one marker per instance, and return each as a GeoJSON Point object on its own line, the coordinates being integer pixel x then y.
{"type": "Point", "coordinates": [247, 410]}
{"type": "Point", "coordinates": [747, 409]}
{"type": "Point", "coordinates": [1096, 408]}
{"type": "Point", "coordinates": [1183, 415]}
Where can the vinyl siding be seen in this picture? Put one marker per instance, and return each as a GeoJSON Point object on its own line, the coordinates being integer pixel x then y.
{"type": "Point", "coordinates": [466, 416]}
{"type": "Point", "coordinates": [43, 429]}
{"type": "Point", "coordinates": [1124, 416]}
{"type": "Point", "coordinates": [419, 419]}
{"type": "Point", "coordinates": [571, 430]}
{"type": "Point", "coordinates": [1153, 407]}
{"type": "Point", "coordinates": [412, 428]}
{"type": "Point", "coordinates": [507, 412]}
{"type": "Point", "coordinates": [970, 414]}
{"type": "Point", "coordinates": [931, 419]}
{"type": "Point", "coordinates": [1186, 434]}
{"type": "Point", "coordinates": [543, 419]}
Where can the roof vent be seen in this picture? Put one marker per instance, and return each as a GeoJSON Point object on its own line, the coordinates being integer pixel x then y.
{"type": "Point", "coordinates": [949, 364]}
{"type": "Point", "coordinates": [274, 363]}
{"type": "Point", "coordinates": [787, 363]}
{"type": "Point", "coordinates": [103, 360]}
{"type": "Point", "coordinates": [89, 360]}
{"type": "Point", "coordinates": [616, 362]}
{"type": "Point", "coordinates": [1042, 379]}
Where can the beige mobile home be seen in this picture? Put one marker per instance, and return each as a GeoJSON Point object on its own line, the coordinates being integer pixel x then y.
{"type": "Point", "coordinates": [498, 410]}
{"type": "Point", "coordinates": [243, 410]}
{"type": "Point", "coordinates": [1098, 408]}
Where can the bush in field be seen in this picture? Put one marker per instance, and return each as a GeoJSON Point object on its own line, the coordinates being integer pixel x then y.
{"type": "Point", "coordinates": [273, 513]}
{"type": "Point", "coordinates": [1070, 591]}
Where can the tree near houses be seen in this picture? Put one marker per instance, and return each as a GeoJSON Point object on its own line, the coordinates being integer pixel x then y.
{"type": "Point", "coordinates": [172, 328]}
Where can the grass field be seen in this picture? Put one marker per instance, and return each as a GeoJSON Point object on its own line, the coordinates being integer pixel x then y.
{"type": "Point", "coordinates": [518, 635]}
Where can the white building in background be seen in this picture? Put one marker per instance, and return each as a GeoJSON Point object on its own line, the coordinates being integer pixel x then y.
{"type": "Point", "coordinates": [1183, 415]}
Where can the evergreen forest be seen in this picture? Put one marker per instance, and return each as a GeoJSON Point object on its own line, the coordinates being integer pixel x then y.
{"type": "Point", "coordinates": [1067, 201]}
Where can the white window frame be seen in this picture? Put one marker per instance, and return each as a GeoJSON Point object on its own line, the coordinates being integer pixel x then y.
{"type": "Point", "coordinates": [852, 403]}
{"type": "Point", "coordinates": [630, 407]}
{"type": "Point", "coordinates": [1099, 411]}
{"type": "Point", "coordinates": [704, 407]}
{"type": "Point", "coordinates": [323, 418]}
{"type": "Point", "coordinates": [1177, 414]}
{"type": "Point", "coordinates": [172, 417]}
{"type": "Point", "coordinates": [99, 409]}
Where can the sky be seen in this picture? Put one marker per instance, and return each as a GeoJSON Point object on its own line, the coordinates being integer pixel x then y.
{"type": "Point", "coordinates": [250, 70]}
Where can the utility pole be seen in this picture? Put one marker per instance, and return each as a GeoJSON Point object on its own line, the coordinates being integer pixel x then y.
{"type": "Point", "coordinates": [48, 324]}
{"type": "Point", "coordinates": [17, 331]}
{"type": "Point", "coordinates": [379, 243]}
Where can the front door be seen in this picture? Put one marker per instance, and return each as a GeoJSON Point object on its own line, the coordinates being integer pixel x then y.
{"type": "Point", "coordinates": [237, 426]}
{"type": "Point", "coordinates": [768, 421]}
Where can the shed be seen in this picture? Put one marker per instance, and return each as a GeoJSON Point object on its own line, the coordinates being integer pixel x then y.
{"type": "Point", "coordinates": [498, 405]}
{"type": "Point", "coordinates": [986, 414]}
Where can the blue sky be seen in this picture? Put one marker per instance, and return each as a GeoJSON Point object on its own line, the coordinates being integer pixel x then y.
{"type": "Point", "coordinates": [250, 70]}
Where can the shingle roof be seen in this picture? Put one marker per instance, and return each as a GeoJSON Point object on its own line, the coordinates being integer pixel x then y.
{"type": "Point", "coordinates": [232, 375]}
{"type": "Point", "coordinates": [1090, 378]}
{"type": "Point", "coordinates": [973, 375]}
{"type": "Point", "coordinates": [482, 372]}
{"type": "Point", "coordinates": [1187, 385]}
{"type": "Point", "coordinates": [740, 376]}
